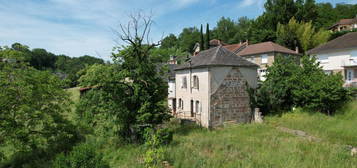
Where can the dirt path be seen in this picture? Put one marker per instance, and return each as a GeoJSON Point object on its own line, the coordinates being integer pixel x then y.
{"type": "Point", "coordinates": [299, 133]}
{"type": "Point", "coordinates": [313, 138]}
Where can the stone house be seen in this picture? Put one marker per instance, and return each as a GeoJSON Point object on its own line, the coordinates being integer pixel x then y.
{"type": "Point", "coordinates": [344, 25]}
{"type": "Point", "coordinates": [263, 54]}
{"type": "Point", "coordinates": [211, 88]}
{"type": "Point", "coordinates": [339, 56]}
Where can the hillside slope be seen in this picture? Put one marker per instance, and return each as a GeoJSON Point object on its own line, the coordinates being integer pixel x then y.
{"type": "Point", "coordinates": [256, 145]}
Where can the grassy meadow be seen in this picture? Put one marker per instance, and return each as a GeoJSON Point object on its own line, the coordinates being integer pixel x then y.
{"type": "Point", "coordinates": [253, 145]}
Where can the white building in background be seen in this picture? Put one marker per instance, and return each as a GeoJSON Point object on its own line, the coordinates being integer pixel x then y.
{"type": "Point", "coordinates": [172, 85]}
{"type": "Point", "coordinates": [339, 56]}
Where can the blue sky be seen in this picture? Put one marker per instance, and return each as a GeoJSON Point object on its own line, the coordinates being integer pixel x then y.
{"type": "Point", "coordinates": [79, 27]}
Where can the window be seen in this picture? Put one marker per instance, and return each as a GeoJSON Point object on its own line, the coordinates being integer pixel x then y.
{"type": "Point", "coordinates": [264, 58]}
{"type": "Point", "coordinates": [180, 105]}
{"type": "Point", "coordinates": [197, 107]}
{"type": "Point", "coordinates": [195, 82]}
{"type": "Point", "coordinates": [349, 75]}
{"type": "Point", "coordinates": [184, 82]}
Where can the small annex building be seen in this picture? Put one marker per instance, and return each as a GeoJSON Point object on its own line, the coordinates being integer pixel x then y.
{"type": "Point", "coordinates": [211, 88]}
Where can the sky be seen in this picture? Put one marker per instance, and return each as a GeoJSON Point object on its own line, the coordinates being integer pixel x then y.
{"type": "Point", "coordinates": [87, 27]}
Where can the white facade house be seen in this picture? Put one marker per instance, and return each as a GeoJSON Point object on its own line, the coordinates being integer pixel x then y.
{"type": "Point", "coordinates": [171, 91]}
{"type": "Point", "coordinates": [212, 87]}
{"type": "Point", "coordinates": [339, 56]}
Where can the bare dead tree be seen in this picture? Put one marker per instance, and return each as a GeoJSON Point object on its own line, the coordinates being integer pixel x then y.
{"type": "Point", "coordinates": [137, 31]}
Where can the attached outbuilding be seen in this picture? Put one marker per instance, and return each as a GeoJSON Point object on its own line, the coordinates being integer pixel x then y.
{"type": "Point", "coordinates": [212, 88]}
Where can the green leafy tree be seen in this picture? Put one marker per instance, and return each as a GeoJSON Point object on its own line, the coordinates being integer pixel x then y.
{"type": "Point", "coordinates": [275, 94]}
{"type": "Point", "coordinates": [278, 11]}
{"type": "Point", "coordinates": [306, 10]}
{"type": "Point", "coordinates": [225, 30]}
{"type": "Point", "coordinates": [307, 86]}
{"type": "Point", "coordinates": [188, 38]}
{"type": "Point", "coordinates": [159, 55]}
{"type": "Point", "coordinates": [301, 34]}
{"type": "Point", "coordinates": [32, 111]}
{"type": "Point", "coordinates": [169, 41]}
{"type": "Point", "coordinates": [244, 30]}
{"type": "Point", "coordinates": [131, 92]}
{"type": "Point", "coordinates": [314, 90]}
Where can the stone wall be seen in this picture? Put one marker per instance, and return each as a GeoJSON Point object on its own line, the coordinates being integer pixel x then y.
{"type": "Point", "coordinates": [230, 102]}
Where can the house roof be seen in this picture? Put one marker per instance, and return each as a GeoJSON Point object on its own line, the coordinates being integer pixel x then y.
{"type": "Point", "coordinates": [265, 47]}
{"type": "Point", "coordinates": [217, 56]}
{"type": "Point", "coordinates": [235, 48]}
{"type": "Point", "coordinates": [348, 40]}
{"type": "Point", "coordinates": [345, 22]}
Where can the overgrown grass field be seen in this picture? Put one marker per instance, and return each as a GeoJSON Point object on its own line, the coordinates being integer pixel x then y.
{"type": "Point", "coordinates": [255, 145]}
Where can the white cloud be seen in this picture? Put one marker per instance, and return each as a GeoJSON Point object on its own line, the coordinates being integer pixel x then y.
{"type": "Point", "coordinates": [184, 3]}
{"type": "Point", "coordinates": [248, 3]}
{"type": "Point", "coordinates": [74, 27]}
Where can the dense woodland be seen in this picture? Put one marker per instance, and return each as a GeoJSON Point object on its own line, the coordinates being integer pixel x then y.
{"type": "Point", "coordinates": [316, 17]}
{"type": "Point", "coordinates": [124, 111]}
{"type": "Point", "coordinates": [65, 67]}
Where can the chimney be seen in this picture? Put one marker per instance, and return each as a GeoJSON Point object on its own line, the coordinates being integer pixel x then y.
{"type": "Point", "coordinates": [297, 50]}
{"type": "Point", "coordinates": [247, 42]}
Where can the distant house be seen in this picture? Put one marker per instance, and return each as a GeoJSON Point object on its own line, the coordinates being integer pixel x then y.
{"type": "Point", "coordinates": [339, 56]}
{"type": "Point", "coordinates": [211, 88]}
{"type": "Point", "coordinates": [264, 54]}
{"type": "Point", "coordinates": [344, 24]}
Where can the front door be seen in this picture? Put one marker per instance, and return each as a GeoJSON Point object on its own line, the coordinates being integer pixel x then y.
{"type": "Point", "coordinates": [174, 105]}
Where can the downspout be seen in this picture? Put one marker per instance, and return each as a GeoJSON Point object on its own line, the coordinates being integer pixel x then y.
{"type": "Point", "coordinates": [190, 76]}
{"type": "Point", "coordinates": [209, 98]}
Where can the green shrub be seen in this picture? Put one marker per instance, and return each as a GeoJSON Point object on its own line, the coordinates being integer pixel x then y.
{"type": "Point", "coordinates": [154, 157]}
{"type": "Point", "coordinates": [289, 84]}
{"type": "Point", "coordinates": [82, 156]}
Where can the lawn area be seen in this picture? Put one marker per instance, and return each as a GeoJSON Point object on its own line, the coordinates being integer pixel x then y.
{"type": "Point", "coordinates": [254, 145]}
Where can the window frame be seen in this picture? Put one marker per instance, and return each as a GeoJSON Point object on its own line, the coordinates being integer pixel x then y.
{"type": "Point", "coordinates": [184, 82]}
{"type": "Point", "coordinates": [197, 107]}
{"type": "Point", "coordinates": [196, 82]}
{"type": "Point", "coordinates": [265, 58]}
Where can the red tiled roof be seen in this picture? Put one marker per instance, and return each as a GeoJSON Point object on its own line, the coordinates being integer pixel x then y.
{"type": "Point", "coordinates": [345, 22]}
{"type": "Point", "coordinates": [233, 47]}
{"type": "Point", "coordinates": [265, 47]}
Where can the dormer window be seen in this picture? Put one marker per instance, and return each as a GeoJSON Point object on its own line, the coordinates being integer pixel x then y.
{"type": "Point", "coordinates": [195, 82]}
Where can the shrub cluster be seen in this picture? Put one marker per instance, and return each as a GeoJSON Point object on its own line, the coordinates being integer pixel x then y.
{"type": "Point", "coordinates": [289, 85]}
{"type": "Point", "coordinates": [82, 156]}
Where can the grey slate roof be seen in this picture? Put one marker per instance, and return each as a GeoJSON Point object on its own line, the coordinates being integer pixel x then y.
{"type": "Point", "coordinates": [217, 56]}
{"type": "Point", "coordinates": [348, 40]}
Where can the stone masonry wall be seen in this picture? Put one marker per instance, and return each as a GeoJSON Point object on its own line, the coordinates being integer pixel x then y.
{"type": "Point", "coordinates": [230, 103]}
